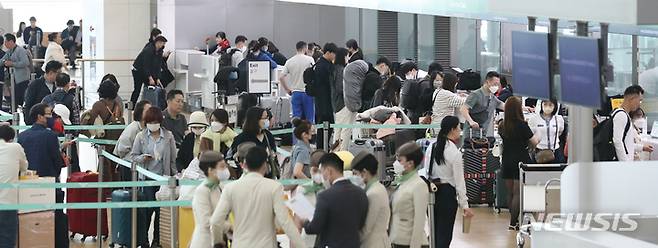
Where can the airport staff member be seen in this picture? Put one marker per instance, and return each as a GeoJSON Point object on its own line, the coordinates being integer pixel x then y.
{"type": "Point", "coordinates": [340, 211]}
{"type": "Point", "coordinates": [257, 203]}
{"type": "Point", "coordinates": [410, 200]}
{"type": "Point", "coordinates": [206, 197]}
{"type": "Point", "coordinates": [624, 141]}
{"type": "Point", "coordinates": [448, 175]}
{"type": "Point", "coordinates": [375, 232]}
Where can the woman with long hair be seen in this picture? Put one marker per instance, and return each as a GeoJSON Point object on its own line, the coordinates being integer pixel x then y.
{"type": "Point", "coordinates": [19, 34]}
{"type": "Point", "coordinates": [447, 173]}
{"type": "Point", "coordinates": [389, 94]}
{"type": "Point", "coordinates": [517, 137]}
{"type": "Point", "coordinates": [445, 102]}
{"type": "Point", "coordinates": [255, 130]}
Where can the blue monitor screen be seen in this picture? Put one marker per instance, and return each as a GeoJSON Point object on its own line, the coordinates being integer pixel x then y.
{"type": "Point", "coordinates": [580, 71]}
{"type": "Point", "coordinates": [530, 64]}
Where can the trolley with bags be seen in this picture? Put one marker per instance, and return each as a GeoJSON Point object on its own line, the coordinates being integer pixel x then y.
{"type": "Point", "coordinates": [480, 167]}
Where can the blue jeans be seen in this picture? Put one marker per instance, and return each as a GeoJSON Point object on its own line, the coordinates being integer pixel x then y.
{"type": "Point", "coordinates": [303, 106]}
{"type": "Point", "coordinates": [9, 228]}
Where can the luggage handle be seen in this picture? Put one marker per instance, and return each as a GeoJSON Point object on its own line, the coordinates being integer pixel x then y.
{"type": "Point", "coordinates": [360, 142]}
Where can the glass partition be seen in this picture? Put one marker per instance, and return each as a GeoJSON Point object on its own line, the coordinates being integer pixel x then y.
{"type": "Point", "coordinates": [489, 47]}
{"type": "Point", "coordinates": [426, 40]}
{"type": "Point", "coordinates": [620, 52]}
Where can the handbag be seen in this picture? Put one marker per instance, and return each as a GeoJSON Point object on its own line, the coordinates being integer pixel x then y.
{"type": "Point", "coordinates": [272, 161]}
{"type": "Point", "coordinates": [544, 156]}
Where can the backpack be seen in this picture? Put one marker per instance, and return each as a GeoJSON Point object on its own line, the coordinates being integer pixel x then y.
{"type": "Point", "coordinates": [409, 94]}
{"type": "Point", "coordinates": [469, 80]}
{"type": "Point", "coordinates": [51, 101]}
{"type": "Point", "coordinates": [226, 58]}
{"type": "Point", "coordinates": [604, 147]}
{"type": "Point", "coordinates": [425, 96]}
{"type": "Point", "coordinates": [309, 80]}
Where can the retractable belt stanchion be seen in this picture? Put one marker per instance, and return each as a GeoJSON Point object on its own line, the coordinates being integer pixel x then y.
{"type": "Point", "coordinates": [325, 130]}
{"type": "Point", "coordinates": [432, 191]}
{"type": "Point", "coordinates": [82, 84]}
{"type": "Point", "coordinates": [173, 218]}
{"type": "Point", "coordinates": [133, 215]}
{"type": "Point", "coordinates": [14, 113]}
{"type": "Point", "coordinates": [68, 137]}
{"type": "Point", "coordinates": [99, 216]}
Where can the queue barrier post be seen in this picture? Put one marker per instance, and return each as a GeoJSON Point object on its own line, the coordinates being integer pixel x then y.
{"type": "Point", "coordinates": [325, 130]}
{"type": "Point", "coordinates": [432, 201]}
{"type": "Point", "coordinates": [68, 137]}
{"type": "Point", "coordinates": [99, 216]}
{"type": "Point", "coordinates": [173, 218]}
{"type": "Point", "coordinates": [14, 113]}
{"type": "Point", "coordinates": [133, 215]}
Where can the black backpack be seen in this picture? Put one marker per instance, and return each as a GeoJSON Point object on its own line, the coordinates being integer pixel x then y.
{"type": "Point", "coordinates": [226, 58]}
{"type": "Point", "coordinates": [604, 147]}
{"type": "Point", "coordinates": [309, 80]}
{"type": "Point", "coordinates": [469, 80]}
{"type": "Point", "coordinates": [409, 94]}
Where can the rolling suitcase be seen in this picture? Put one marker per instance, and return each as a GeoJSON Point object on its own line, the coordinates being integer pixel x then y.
{"type": "Point", "coordinates": [377, 148]}
{"type": "Point", "coordinates": [480, 167]}
{"type": "Point", "coordinates": [122, 219]}
{"type": "Point", "coordinates": [281, 109]}
{"type": "Point", "coordinates": [501, 192]}
{"type": "Point", "coordinates": [155, 95]}
{"type": "Point", "coordinates": [83, 221]}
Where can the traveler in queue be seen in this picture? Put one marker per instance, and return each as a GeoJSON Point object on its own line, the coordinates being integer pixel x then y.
{"type": "Point", "coordinates": [292, 81]}
{"type": "Point", "coordinates": [335, 226]}
{"type": "Point", "coordinates": [445, 101]}
{"type": "Point", "coordinates": [146, 69]}
{"type": "Point", "coordinates": [410, 200]}
{"type": "Point", "coordinates": [174, 120]}
{"type": "Point", "coordinates": [54, 51]}
{"type": "Point", "coordinates": [323, 78]}
{"type": "Point", "coordinates": [337, 94]}
{"type": "Point", "coordinates": [17, 57]}
{"type": "Point", "coordinates": [41, 87]}
{"type": "Point", "coordinates": [70, 36]}
{"type": "Point", "coordinates": [624, 141]}
{"type": "Point", "coordinates": [220, 133]}
{"type": "Point", "coordinates": [481, 106]}
{"type": "Point", "coordinates": [353, 83]}
{"type": "Point", "coordinates": [260, 208]}
{"type": "Point", "coordinates": [13, 163]}
{"type": "Point", "coordinates": [127, 139]}
{"type": "Point", "coordinates": [374, 233]}
{"type": "Point", "coordinates": [255, 130]}
{"type": "Point", "coordinates": [189, 149]}
{"type": "Point", "coordinates": [448, 175]}
{"type": "Point", "coordinates": [517, 137]}
{"type": "Point", "coordinates": [277, 56]}
{"type": "Point", "coordinates": [206, 197]}
{"type": "Point", "coordinates": [355, 52]}
{"type": "Point", "coordinates": [389, 94]}
{"type": "Point", "coordinates": [301, 152]}
{"type": "Point", "coordinates": [241, 46]}
{"type": "Point", "coordinates": [549, 125]}
{"type": "Point", "coordinates": [41, 144]}
{"type": "Point", "coordinates": [383, 65]}
{"type": "Point", "coordinates": [155, 148]}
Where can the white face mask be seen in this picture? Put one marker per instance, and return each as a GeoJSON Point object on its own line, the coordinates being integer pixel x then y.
{"type": "Point", "coordinates": [317, 178]}
{"type": "Point", "coordinates": [548, 110]}
{"type": "Point", "coordinates": [266, 124]}
{"type": "Point", "coordinates": [223, 175]}
{"type": "Point", "coordinates": [358, 181]}
{"type": "Point", "coordinates": [398, 168]}
{"type": "Point", "coordinates": [153, 127]}
{"type": "Point", "coordinates": [198, 131]}
{"type": "Point", "coordinates": [216, 126]}
{"type": "Point", "coordinates": [494, 89]}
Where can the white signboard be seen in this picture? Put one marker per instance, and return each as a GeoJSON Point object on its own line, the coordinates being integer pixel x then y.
{"type": "Point", "coordinates": [259, 78]}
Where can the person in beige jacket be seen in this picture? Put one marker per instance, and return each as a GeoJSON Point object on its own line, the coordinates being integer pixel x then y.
{"type": "Point", "coordinates": [257, 204]}
{"type": "Point", "coordinates": [206, 196]}
{"type": "Point", "coordinates": [375, 233]}
{"type": "Point", "coordinates": [410, 200]}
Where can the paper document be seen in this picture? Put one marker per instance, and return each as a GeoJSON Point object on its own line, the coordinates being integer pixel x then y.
{"type": "Point", "coordinates": [301, 206]}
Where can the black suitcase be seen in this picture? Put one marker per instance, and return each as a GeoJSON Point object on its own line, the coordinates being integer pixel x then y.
{"type": "Point", "coordinates": [501, 192]}
{"type": "Point", "coordinates": [480, 173]}
{"type": "Point", "coordinates": [122, 221]}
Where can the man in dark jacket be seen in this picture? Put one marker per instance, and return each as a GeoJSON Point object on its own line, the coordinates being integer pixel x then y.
{"type": "Point", "coordinates": [69, 36]}
{"type": "Point", "coordinates": [324, 75]}
{"type": "Point", "coordinates": [341, 210]}
{"type": "Point", "coordinates": [32, 35]}
{"type": "Point", "coordinates": [41, 144]}
{"type": "Point", "coordinates": [40, 88]}
{"type": "Point", "coordinates": [63, 95]}
{"type": "Point", "coordinates": [147, 67]}
{"type": "Point", "coordinates": [355, 51]}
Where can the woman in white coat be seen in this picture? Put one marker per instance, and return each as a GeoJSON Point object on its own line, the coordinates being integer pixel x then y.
{"type": "Point", "coordinates": [54, 51]}
{"type": "Point", "coordinates": [207, 196]}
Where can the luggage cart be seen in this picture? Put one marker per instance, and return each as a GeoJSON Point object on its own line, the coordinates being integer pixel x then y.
{"type": "Point", "coordinates": [540, 195]}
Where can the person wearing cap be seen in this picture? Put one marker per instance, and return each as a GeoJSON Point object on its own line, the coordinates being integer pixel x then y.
{"type": "Point", "coordinates": [206, 197]}
{"type": "Point", "coordinates": [63, 95]}
{"type": "Point", "coordinates": [32, 34]}
{"type": "Point", "coordinates": [190, 146]}
{"type": "Point", "coordinates": [69, 37]}
{"type": "Point", "coordinates": [147, 67]}
{"type": "Point", "coordinates": [240, 157]}
{"type": "Point", "coordinates": [375, 232]}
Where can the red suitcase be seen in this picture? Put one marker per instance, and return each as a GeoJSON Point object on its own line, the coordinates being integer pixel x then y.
{"type": "Point", "coordinates": [83, 221]}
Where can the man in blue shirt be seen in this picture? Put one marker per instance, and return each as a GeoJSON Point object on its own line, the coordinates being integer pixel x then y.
{"type": "Point", "coordinates": [41, 144]}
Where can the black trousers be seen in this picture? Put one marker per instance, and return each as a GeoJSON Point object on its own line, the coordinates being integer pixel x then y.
{"type": "Point", "coordinates": [445, 211]}
{"type": "Point", "coordinates": [406, 246]}
{"type": "Point", "coordinates": [138, 80]}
